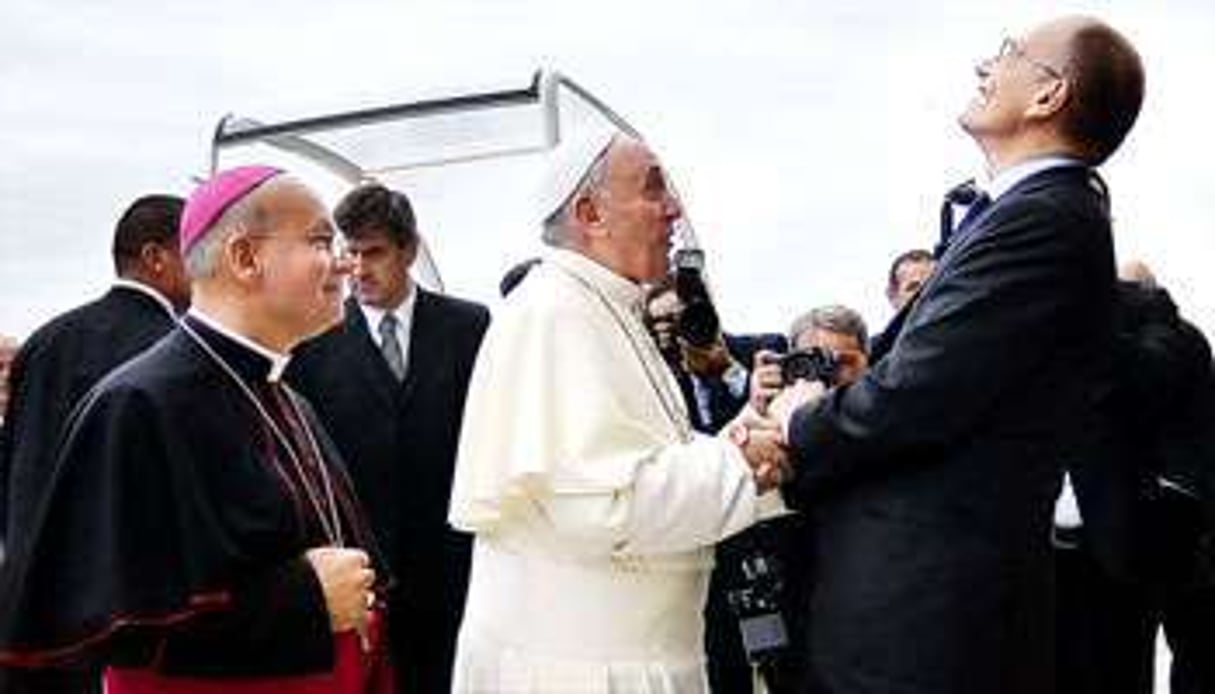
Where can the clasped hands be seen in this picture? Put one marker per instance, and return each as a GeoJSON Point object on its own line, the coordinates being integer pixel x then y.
{"type": "Point", "coordinates": [762, 444]}
{"type": "Point", "coordinates": [761, 429]}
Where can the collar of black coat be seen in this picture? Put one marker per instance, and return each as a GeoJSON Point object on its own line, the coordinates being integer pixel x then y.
{"type": "Point", "coordinates": [251, 361]}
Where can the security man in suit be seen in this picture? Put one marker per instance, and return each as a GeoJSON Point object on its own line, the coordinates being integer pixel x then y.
{"type": "Point", "coordinates": [389, 384]}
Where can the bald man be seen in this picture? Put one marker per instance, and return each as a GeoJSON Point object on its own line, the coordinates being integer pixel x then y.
{"type": "Point", "coordinates": [933, 476]}
{"type": "Point", "coordinates": [200, 534]}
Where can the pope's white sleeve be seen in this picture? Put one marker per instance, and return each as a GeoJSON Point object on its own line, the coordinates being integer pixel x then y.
{"type": "Point", "coordinates": [686, 496]}
{"type": "Point", "coordinates": [691, 495]}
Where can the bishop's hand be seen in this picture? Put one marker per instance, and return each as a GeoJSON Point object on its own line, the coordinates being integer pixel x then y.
{"type": "Point", "coordinates": [346, 579]}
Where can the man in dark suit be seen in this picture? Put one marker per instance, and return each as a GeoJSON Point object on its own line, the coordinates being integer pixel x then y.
{"type": "Point", "coordinates": [933, 477]}
{"type": "Point", "coordinates": [1108, 608]}
{"type": "Point", "coordinates": [64, 358]}
{"type": "Point", "coordinates": [908, 272]}
{"type": "Point", "coordinates": [389, 385]}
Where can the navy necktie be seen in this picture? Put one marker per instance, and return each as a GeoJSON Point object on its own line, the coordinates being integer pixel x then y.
{"type": "Point", "coordinates": [965, 195]}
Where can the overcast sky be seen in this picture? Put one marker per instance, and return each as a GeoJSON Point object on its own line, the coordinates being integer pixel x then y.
{"type": "Point", "coordinates": [811, 141]}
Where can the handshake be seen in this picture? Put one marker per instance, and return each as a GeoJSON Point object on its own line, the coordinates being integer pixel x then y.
{"type": "Point", "coordinates": [761, 430]}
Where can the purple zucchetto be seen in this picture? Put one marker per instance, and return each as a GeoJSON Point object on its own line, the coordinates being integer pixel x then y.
{"type": "Point", "coordinates": [215, 195]}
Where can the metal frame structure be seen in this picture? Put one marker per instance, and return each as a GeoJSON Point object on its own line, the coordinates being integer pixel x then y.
{"type": "Point", "coordinates": [298, 137]}
{"type": "Point", "coordinates": [292, 135]}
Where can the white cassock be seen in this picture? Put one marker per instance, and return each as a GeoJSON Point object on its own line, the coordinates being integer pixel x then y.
{"type": "Point", "coordinates": [595, 507]}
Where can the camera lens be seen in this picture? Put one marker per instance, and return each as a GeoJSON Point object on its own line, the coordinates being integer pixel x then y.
{"type": "Point", "coordinates": [814, 364]}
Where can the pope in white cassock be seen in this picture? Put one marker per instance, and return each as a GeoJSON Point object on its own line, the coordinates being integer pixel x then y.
{"type": "Point", "coordinates": [594, 505]}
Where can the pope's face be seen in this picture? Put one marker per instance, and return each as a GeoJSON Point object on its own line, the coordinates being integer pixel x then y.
{"type": "Point", "coordinates": [637, 211]}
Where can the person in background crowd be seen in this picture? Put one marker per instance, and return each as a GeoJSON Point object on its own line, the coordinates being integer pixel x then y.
{"type": "Point", "coordinates": [1131, 536]}
{"type": "Point", "coordinates": [838, 329]}
{"type": "Point", "coordinates": [389, 385]}
{"type": "Point", "coordinates": [64, 358]}
{"type": "Point", "coordinates": [841, 333]}
{"type": "Point", "coordinates": [8, 349]}
{"type": "Point", "coordinates": [908, 273]}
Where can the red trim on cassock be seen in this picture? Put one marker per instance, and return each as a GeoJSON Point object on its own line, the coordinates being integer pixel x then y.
{"type": "Point", "coordinates": [355, 671]}
{"type": "Point", "coordinates": [197, 604]}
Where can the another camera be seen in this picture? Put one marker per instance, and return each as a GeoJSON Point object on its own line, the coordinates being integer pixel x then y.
{"type": "Point", "coordinates": [757, 605]}
{"type": "Point", "coordinates": [698, 324]}
{"type": "Point", "coordinates": [813, 364]}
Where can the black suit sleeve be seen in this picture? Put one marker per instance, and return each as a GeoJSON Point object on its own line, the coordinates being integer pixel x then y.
{"type": "Point", "coordinates": [131, 565]}
{"type": "Point", "coordinates": [39, 401]}
{"type": "Point", "coordinates": [1161, 357]}
{"type": "Point", "coordinates": [1003, 303]}
{"type": "Point", "coordinates": [277, 624]}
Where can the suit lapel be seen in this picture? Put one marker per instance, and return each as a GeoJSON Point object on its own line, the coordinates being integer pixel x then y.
{"type": "Point", "coordinates": [363, 357]}
{"type": "Point", "coordinates": [1057, 176]}
{"type": "Point", "coordinates": [424, 343]}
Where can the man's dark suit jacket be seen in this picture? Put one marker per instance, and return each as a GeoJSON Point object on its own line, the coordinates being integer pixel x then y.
{"type": "Point", "coordinates": [933, 478]}
{"type": "Point", "coordinates": [399, 441]}
{"type": "Point", "coordinates": [52, 370]}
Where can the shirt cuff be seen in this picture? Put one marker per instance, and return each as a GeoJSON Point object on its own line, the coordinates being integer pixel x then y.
{"type": "Point", "coordinates": [736, 377]}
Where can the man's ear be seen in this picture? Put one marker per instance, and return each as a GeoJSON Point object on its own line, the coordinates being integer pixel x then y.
{"type": "Point", "coordinates": [586, 210]}
{"type": "Point", "coordinates": [242, 257]}
{"type": "Point", "coordinates": [410, 251]}
{"type": "Point", "coordinates": [151, 257]}
{"type": "Point", "coordinates": [1050, 99]}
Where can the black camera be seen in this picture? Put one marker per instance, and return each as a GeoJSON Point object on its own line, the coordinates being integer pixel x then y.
{"type": "Point", "coordinates": [698, 324]}
{"type": "Point", "coordinates": [813, 364]}
{"type": "Point", "coordinates": [756, 603]}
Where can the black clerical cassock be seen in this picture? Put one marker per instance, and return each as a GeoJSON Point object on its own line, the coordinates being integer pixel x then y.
{"type": "Point", "coordinates": [171, 539]}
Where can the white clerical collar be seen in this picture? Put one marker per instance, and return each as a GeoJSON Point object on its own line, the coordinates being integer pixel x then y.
{"type": "Point", "coordinates": [278, 361]}
{"type": "Point", "coordinates": [149, 291]}
{"type": "Point", "coordinates": [1006, 179]}
{"type": "Point", "coordinates": [617, 288]}
{"type": "Point", "coordinates": [403, 312]}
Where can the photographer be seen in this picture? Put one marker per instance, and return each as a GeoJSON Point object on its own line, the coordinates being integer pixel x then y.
{"type": "Point", "coordinates": [828, 347]}
{"type": "Point", "coordinates": [713, 375]}
{"type": "Point", "coordinates": [832, 341]}
{"type": "Point", "coordinates": [710, 367]}
{"type": "Point", "coordinates": [841, 331]}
